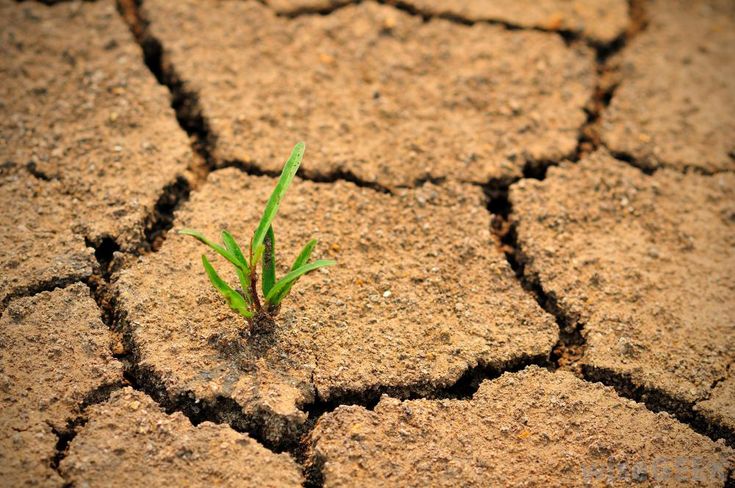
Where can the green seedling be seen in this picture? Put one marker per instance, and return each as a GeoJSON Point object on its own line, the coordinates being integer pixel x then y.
{"type": "Point", "coordinates": [246, 301]}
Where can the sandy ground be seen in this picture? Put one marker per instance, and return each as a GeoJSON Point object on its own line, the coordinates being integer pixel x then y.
{"type": "Point", "coordinates": [531, 205]}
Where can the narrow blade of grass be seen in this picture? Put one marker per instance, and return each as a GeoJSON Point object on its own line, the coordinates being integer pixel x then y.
{"type": "Point", "coordinates": [294, 275]}
{"type": "Point", "coordinates": [220, 250]}
{"type": "Point", "coordinates": [234, 299]}
{"type": "Point", "coordinates": [243, 274]}
{"type": "Point", "coordinates": [269, 261]}
{"type": "Point", "coordinates": [232, 246]}
{"type": "Point", "coordinates": [271, 208]}
{"type": "Point", "coordinates": [300, 260]}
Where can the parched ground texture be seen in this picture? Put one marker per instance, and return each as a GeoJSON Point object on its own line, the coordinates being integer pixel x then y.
{"type": "Point", "coordinates": [531, 204]}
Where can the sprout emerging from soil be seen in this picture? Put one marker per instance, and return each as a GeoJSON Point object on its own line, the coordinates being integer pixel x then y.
{"type": "Point", "coordinates": [260, 313]}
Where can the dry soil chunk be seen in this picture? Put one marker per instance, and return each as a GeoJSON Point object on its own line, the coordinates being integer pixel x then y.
{"type": "Point", "coordinates": [719, 409]}
{"type": "Point", "coordinates": [79, 105]}
{"type": "Point", "coordinates": [37, 246]}
{"type": "Point", "coordinates": [54, 354]}
{"type": "Point", "coordinates": [129, 441]}
{"type": "Point", "coordinates": [26, 455]}
{"type": "Point", "coordinates": [54, 357]}
{"type": "Point", "coordinates": [532, 428]}
{"type": "Point", "coordinates": [675, 105]}
{"type": "Point", "coordinates": [644, 263]}
{"type": "Point", "coordinates": [602, 21]}
{"type": "Point", "coordinates": [378, 93]}
{"type": "Point", "coordinates": [418, 296]}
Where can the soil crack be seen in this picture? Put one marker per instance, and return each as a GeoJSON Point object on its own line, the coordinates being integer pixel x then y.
{"type": "Point", "coordinates": [568, 35]}
{"type": "Point", "coordinates": [66, 436]}
{"type": "Point", "coordinates": [657, 400]}
{"type": "Point", "coordinates": [608, 80]}
{"type": "Point", "coordinates": [255, 169]}
{"type": "Point", "coordinates": [310, 10]}
{"type": "Point", "coordinates": [36, 288]}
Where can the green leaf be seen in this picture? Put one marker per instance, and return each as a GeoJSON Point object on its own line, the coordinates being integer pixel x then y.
{"type": "Point", "coordinates": [271, 208]}
{"type": "Point", "coordinates": [304, 255]}
{"type": "Point", "coordinates": [234, 248]}
{"type": "Point", "coordinates": [294, 275]}
{"type": "Point", "coordinates": [221, 250]}
{"type": "Point", "coordinates": [234, 299]}
{"type": "Point", "coordinates": [243, 273]}
{"type": "Point", "coordinates": [269, 261]}
{"type": "Point", "coordinates": [301, 260]}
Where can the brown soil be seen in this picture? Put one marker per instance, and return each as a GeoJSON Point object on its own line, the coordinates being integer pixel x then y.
{"type": "Point", "coordinates": [419, 116]}
{"type": "Point", "coordinates": [719, 408]}
{"type": "Point", "coordinates": [415, 301]}
{"type": "Point", "coordinates": [643, 264]}
{"type": "Point", "coordinates": [601, 21]}
{"type": "Point", "coordinates": [26, 456]}
{"type": "Point", "coordinates": [55, 356]}
{"type": "Point", "coordinates": [80, 107]}
{"type": "Point", "coordinates": [129, 441]}
{"type": "Point", "coordinates": [38, 249]}
{"type": "Point", "coordinates": [390, 99]}
{"type": "Point", "coordinates": [675, 106]}
{"type": "Point", "coordinates": [551, 428]}
{"type": "Point", "coordinates": [54, 359]}
{"type": "Point", "coordinates": [296, 7]}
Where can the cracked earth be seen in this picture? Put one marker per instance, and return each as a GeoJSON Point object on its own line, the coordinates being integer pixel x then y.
{"type": "Point", "coordinates": [531, 203]}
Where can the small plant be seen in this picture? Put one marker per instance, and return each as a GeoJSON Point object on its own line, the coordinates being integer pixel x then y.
{"type": "Point", "coordinates": [260, 313]}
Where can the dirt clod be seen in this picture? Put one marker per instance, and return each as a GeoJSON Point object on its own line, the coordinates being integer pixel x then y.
{"type": "Point", "coordinates": [719, 409]}
{"type": "Point", "coordinates": [38, 249]}
{"type": "Point", "coordinates": [54, 360]}
{"type": "Point", "coordinates": [79, 106]}
{"type": "Point", "coordinates": [129, 441]}
{"type": "Point", "coordinates": [551, 428]}
{"type": "Point", "coordinates": [26, 456]}
{"type": "Point", "coordinates": [642, 265]}
{"type": "Point", "coordinates": [675, 106]}
{"type": "Point", "coordinates": [387, 98]}
{"type": "Point", "coordinates": [454, 301]}
{"type": "Point", "coordinates": [55, 354]}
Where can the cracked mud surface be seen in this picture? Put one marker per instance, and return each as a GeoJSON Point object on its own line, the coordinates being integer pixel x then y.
{"type": "Point", "coordinates": [129, 441]}
{"type": "Point", "coordinates": [601, 21]}
{"type": "Point", "coordinates": [390, 99]}
{"type": "Point", "coordinates": [38, 248]}
{"type": "Point", "coordinates": [551, 428]}
{"type": "Point", "coordinates": [409, 309]}
{"type": "Point", "coordinates": [80, 107]}
{"type": "Point", "coordinates": [26, 455]}
{"type": "Point", "coordinates": [54, 359]}
{"type": "Point", "coordinates": [504, 185]}
{"type": "Point", "coordinates": [675, 106]}
{"type": "Point", "coordinates": [719, 408]}
{"type": "Point", "coordinates": [643, 263]}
